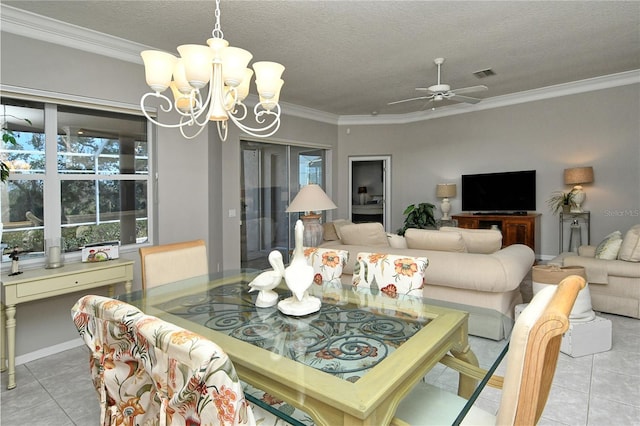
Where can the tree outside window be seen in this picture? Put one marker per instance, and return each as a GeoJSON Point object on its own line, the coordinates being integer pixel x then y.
{"type": "Point", "coordinates": [91, 185]}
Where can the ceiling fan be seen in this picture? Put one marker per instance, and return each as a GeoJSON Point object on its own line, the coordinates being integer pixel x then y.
{"type": "Point", "coordinates": [440, 91]}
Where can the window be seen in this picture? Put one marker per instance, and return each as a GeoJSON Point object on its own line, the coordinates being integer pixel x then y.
{"type": "Point", "coordinates": [79, 173]}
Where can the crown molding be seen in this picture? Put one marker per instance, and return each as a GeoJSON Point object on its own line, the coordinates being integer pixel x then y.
{"type": "Point", "coordinates": [38, 27]}
{"type": "Point", "coordinates": [572, 88]}
{"type": "Point", "coordinates": [31, 25]}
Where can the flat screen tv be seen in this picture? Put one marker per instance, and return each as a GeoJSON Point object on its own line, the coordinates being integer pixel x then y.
{"type": "Point", "coordinates": [507, 192]}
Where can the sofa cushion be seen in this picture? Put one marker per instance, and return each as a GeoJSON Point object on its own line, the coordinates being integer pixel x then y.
{"type": "Point", "coordinates": [609, 247]}
{"type": "Point", "coordinates": [630, 248]}
{"type": "Point", "coordinates": [483, 241]}
{"type": "Point", "coordinates": [367, 234]}
{"type": "Point", "coordinates": [427, 239]}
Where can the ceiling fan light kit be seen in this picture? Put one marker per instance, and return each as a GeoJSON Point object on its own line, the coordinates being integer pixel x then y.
{"type": "Point", "coordinates": [224, 69]}
{"type": "Point", "coordinates": [441, 91]}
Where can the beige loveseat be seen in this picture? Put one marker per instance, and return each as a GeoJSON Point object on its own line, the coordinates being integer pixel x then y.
{"type": "Point", "coordinates": [465, 267]}
{"type": "Point", "coordinates": [614, 280]}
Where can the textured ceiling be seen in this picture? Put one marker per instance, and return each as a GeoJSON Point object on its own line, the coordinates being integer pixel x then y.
{"type": "Point", "coordinates": [353, 57]}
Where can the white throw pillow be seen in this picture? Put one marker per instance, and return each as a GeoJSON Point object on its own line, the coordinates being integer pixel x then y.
{"type": "Point", "coordinates": [630, 248]}
{"type": "Point", "coordinates": [397, 241]}
{"type": "Point", "coordinates": [609, 247]}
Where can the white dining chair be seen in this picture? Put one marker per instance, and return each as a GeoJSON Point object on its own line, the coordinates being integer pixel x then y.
{"type": "Point", "coordinates": [167, 263]}
{"type": "Point", "coordinates": [531, 362]}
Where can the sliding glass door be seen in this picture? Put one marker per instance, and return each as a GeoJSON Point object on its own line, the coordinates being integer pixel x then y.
{"type": "Point", "coordinates": [271, 176]}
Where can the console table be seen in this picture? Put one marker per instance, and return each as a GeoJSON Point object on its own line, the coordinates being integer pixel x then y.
{"type": "Point", "coordinates": [41, 283]}
{"type": "Point", "coordinates": [516, 229]}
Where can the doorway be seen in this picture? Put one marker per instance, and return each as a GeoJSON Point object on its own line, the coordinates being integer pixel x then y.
{"type": "Point", "coordinates": [370, 189]}
{"type": "Point", "coordinates": [271, 176]}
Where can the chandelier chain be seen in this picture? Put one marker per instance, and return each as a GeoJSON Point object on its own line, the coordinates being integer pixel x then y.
{"type": "Point", "coordinates": [217, 29]}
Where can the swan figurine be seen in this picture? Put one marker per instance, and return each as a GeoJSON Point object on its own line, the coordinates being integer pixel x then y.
{"type": "Point", "coordinates": [267, 281]}
{"type": "Point", "coordinates": [299, 277]}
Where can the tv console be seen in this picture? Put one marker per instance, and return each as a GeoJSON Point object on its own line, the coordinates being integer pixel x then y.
{"type": "Point", "coordinates": [517, 228]}
{"type": "Point", "coordinates": [500, 213]}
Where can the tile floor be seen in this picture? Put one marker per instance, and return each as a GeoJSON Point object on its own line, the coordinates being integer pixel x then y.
{"type": "Point", "coordinates": [600, 389]}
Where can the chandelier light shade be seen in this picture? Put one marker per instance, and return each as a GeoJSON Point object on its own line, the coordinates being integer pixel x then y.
{"type": "Point", "coordinates": [444, 191]}
{"type": "Point", "coordinates": [578, 176]}
{"type": "Point", "coordinates": [311, 199]}
{"type": "Point", "coordinates": [224, 70]}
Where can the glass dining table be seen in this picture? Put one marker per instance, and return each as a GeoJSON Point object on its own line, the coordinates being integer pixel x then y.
{"type": "Point", "coordinates": [349, 363]}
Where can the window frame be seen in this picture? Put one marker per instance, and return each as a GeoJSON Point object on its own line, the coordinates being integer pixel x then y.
{"type": "Point", "coordinates": [52, 178]}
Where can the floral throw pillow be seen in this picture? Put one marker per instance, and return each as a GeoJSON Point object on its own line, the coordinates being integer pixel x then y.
{"type": "Point", "coordinates": [391, 274]}
{"type": "Point", "coordinates": [609, 247]}
{"type": "Point", "coordinates": [327, 263]}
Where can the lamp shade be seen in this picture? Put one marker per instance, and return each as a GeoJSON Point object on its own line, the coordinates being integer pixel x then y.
{"type": "Point", "coordinates": [445, 190]}
{"type": "Point", "coordinates": [311, 198]}
{"type": "Point", "coordinates": [158, 67]}
{"type": "Point", "coordinates": [578, 175]}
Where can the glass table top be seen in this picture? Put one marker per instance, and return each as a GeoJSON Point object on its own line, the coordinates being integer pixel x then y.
{"type": "Point", "coordinates": [360, 348]}
{"type": "Point", "coordinates": [345, 338]}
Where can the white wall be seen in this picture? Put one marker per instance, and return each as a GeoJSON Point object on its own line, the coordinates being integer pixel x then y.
{"type": "Point", "coordinates": [598, 128]}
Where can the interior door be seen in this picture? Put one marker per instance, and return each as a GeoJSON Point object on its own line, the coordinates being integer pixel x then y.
{"type": "Point", "coordinates": [370, 189]}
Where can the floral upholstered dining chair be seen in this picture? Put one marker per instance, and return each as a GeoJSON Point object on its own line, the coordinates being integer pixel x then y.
{"type": "Point", "coordinates": [194, 379]}
{"type": "Point", "coordinates": [327, 263]}
{"type": "Point", "coordinates": [391, 274]}
{"type": "Point", "coordinates": [124, 389]}
{"type": "Point", "coordinates": [148, 371]}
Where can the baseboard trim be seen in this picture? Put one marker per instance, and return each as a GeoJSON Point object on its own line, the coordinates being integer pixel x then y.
{"type": "Point", "coordinates": [50, 350]}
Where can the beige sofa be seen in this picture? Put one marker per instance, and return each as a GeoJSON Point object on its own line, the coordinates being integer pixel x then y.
{"type": "Point", "coordinates": [614, 283]}
{"type": "Point", "coordinates": [466, 267]}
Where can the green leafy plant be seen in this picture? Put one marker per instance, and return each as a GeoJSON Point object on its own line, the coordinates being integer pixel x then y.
{"type": "Point", "coordinates": [559, 200]}
{"type": "Point", "coordinates": [418, 216]}
{"type": "Point", "coordinates": [8, 137]}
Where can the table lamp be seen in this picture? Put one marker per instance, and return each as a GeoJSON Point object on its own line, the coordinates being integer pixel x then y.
{"type": "Point", "coordinates": [444, 191]}
{"type": "Point", "coordinates": [577, 176]}
{"type": "Point", "coordinates": [311, 199]}
{"type": "Point", "coordinates": [362, 194]}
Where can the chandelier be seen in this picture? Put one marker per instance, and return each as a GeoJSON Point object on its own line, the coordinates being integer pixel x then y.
{"type": "Point", "coordinates": [224, 70]}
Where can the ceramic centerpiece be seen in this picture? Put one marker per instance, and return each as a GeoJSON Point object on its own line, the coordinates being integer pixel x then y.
{"type": "Point", "coordinates": [299, 277]}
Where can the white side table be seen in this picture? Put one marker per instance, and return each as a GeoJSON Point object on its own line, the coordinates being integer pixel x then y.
{"type": "Point", "coordinates": [41, 283]}
{"type": "Point", "coordinates": [568, 218]}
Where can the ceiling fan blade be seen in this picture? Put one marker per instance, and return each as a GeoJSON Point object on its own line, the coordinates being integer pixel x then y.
{"type": "Point", "coordinates": [465, 99]}
{"type": "Point", "coordinates": [409, 100]}
{"type": "Point", "coordinates": [426, 104]}
{"type": "Point", "coordinates": [470, 89]}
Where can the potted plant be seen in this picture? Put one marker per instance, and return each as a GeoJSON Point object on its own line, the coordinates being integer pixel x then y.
{"type": "Point", "coordinates": [418, 216]}
{"type": "Point", "coordinates": [560, 201]}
